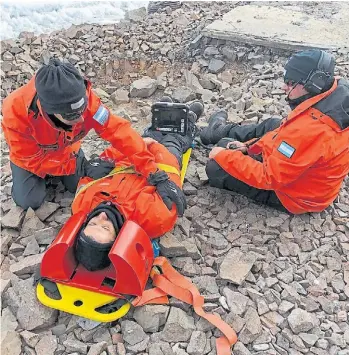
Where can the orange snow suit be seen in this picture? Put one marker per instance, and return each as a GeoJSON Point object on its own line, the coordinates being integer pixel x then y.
{"type": "Point", "coordinates": [131, 194]}
{"type": "Point", "coordinates": [306, 159]}
{"type": "Point", "coordinates": [40, 147]}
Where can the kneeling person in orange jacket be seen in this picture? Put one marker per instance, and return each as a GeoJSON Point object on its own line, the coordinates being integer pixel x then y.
{"type": "Point", "coordinates": [297, 164]}
{"type": "Point", "coordinates": [125, 195]}
{"type": "Point", "coordinates": [44, 122]}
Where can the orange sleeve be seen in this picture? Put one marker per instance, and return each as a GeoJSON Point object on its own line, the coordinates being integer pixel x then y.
{"type": "Point", "coordinates": [26, 153]}
{"type": "Point", "coordinates": [276, 170]}
{"type": "Point", "coordinates": [152, 214]}
{"type": "Point", "coordinates": [121, 135]}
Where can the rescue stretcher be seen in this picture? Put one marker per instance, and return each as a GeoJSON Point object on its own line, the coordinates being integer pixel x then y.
{"type": "Point", "coordinates": [104, 295]}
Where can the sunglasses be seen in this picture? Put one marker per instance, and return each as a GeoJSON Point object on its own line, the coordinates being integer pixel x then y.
{"type": "Point", "coordinates": [73, 116]}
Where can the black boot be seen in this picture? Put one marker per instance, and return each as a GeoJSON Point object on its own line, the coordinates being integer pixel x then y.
{"type": "Point", "coordinates": [217, 128]}
{"type": "Point", "coordinates": [197, 108]}
{"type": "Point", "coordinates": [166, 99]}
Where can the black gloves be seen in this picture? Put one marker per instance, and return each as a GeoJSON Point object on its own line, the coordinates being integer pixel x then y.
{"type": "Point", "coordinates": [168, 191]}
{"type": "Point", "coordinates": [94, 168]}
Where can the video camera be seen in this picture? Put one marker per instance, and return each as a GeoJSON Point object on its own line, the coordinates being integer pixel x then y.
{"type": "Point", "coordinates": [170, 117]}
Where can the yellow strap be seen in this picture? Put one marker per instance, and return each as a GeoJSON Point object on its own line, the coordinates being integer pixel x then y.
{"type": "Point", "coordinates": [117, 170]}
{"type": "Point", "coordinates": [168, 169]}
{"type": "Point", "coordinates": [130, 170]}
{"type": "Point", "coordinates": [185, 162]}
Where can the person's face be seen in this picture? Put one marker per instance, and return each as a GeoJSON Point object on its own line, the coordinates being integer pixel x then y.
{"type": "Point", "coordinates": [100, 229]}
{"type": "Point", "coordinates": [69, 122]}
{"type": "Point", "coordinates": [294, 91]}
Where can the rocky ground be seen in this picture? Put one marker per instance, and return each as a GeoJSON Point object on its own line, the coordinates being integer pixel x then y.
{"type": "Point", "coordinates": [281, 281]}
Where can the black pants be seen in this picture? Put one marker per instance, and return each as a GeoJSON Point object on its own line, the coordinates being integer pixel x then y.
{"type": "Point", "coordinates": [218, 177]}
{"type": "Point", "coordinates": [29, 190]}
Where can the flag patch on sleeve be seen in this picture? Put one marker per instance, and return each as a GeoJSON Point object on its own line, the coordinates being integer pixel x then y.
{"type": "Point", "coordinates": [102, 115]}
{"type": "Point", "coordinates": [286, 150]}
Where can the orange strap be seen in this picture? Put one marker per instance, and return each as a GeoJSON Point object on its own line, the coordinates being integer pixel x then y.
{"type": "Point", "coordinates": [154, 295]}
{"type": "Point", "coordinates": [171, 282]}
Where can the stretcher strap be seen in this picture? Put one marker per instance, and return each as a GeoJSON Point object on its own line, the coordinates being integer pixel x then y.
{"type": "Point", "coordinates": [131, 170]}
{"type": "Point", "coordinates": [171, 282]}
{"type": "Point", "coordinates": [127, 170]}
{"type": "Point", "coordinates": [168, 169]}
{"type": "Point", "coordinates": [185, 163]}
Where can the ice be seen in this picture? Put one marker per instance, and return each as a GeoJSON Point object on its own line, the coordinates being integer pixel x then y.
{"type": "Point", "coordinates": [47, 16]}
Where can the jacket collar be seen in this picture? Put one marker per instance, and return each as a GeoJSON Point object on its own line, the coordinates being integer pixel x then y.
{"type": "Point", "coordinates": [312, 101]}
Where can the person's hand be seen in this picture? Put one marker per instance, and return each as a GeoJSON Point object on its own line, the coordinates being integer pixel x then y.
{"type": "Point", "coordinates": [148, 140]}
{"type": "Point", "coordinates": [95, 168]}
{"type": "Point", "coordinates": [236, 145]}
{"type": "Point", "coordinates": [215, 151]}
{"type": "Point", "coordinates": [169, 192]}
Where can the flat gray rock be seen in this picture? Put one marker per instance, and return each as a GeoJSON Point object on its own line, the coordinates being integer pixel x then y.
{"type": "Point", "coordinates": [27, 265]}
{"type": "Point", "coordinates": [252, 328]}
{"type": "Point", "coordinates": [13, 218]}
{"type": "Point", "coordinates": [31, 314]}
{"type": "Point", "coordinates": [178, 327]}
{"type": "Point", "coordinates": [144, 87]}
{"type": "Point", "coordinates": [281, 27]}
{"type": "Point", "coordinates": [151, 317]}
{"type": "Point", "coordinates": [132, 332]}
{"type": "Point", "coordinates": [236, 266]}
{"type": "Point", "coordinates": [301, 321]}
{"type": "Point", "coordinates": [46, 345]}
{"type": "Point", "coordinates": [46, 209]}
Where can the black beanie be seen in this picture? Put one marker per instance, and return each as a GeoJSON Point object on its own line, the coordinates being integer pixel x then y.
{"type": "Point", "coordinates": [60, 88]}
{"type": "Point", "coordinates": [90, 253]}
{"type": "Point", "coordinates": [301, 64]}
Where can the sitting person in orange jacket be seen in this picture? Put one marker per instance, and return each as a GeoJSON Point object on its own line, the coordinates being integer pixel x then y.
{"type": "Point", "coordinates": [296, 164]}
{"type": "Point", "coordinates": [112, 200]}
{"type": "Point", "coordinates": [44, 122]}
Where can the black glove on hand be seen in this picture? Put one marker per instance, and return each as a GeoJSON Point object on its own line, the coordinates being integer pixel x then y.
{"type": "Point", "coordinates": [94, 168]}
{"type": "Point", "coordinates": [168, 191]}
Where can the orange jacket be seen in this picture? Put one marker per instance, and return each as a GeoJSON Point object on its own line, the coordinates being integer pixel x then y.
{"type": "Point", "coordinates": [306, 159]}
{"type": "Point", "coordinates": [133, 196]}
{"type": "Point", "coordinates": [38, 146]}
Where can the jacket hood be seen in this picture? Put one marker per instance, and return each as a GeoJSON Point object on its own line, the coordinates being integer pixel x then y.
{"type": "Point", "coordinates": [336, 105]}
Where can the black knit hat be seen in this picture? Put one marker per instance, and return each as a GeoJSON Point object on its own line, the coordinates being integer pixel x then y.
{"type": "Point", "coordinates": [60, 88]}
{"type": "Point", "coordinates": [301, 64]}
{"type": "Point", "coordinates": [90, 253]}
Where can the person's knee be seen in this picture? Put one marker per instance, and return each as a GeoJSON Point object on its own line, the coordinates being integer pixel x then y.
{"type": "Point", "coordinates": [33, 198]}
{"type": "Point", "coordinates": [224, 141]}
{"type": "Point", "coordinates": [71, 184]}
{"type": "Point", "coordinates": [214, 174]}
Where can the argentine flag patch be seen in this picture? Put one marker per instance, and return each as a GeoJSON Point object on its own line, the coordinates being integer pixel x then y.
{"type": "Point", "coordinates": [102, 115]}
{"type": "Point", "coordinates": [286, 150]}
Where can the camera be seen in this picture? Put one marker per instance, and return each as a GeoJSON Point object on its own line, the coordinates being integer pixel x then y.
{"type": "Point", "coordinates": [170, 117]}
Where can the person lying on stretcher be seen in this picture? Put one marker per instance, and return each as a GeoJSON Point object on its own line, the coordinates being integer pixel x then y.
{"type": "Point", "coordinates": [152, 203]}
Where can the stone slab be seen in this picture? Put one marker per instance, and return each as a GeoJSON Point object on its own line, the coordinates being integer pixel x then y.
{"type": "Point", "coordinates": [282, 27]}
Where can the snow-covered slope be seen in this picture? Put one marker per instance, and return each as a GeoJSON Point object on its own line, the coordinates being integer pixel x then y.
{"type": "Point", "coordinates": [46, 16]}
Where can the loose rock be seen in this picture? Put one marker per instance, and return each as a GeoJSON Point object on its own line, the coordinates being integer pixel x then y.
{"type": "Point", "coordinates": [144, 87]}
{"type": "Point", "coordinates": [151, 317]}
{"type": "Point", "coordinates": [252, 328]}
{"type": "Point", "coordinates": [301, 321]}
{"type": "Point", "coordinates": [46, 345]}
{"type": "Point", "coordinates": [236, 266]}
{"type": "Point", "coordinates": [132, 332]}
{"type": "Point", "coordinates": [178, 327]}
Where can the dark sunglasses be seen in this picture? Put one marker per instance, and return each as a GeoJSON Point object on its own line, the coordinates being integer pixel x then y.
{"type": "Point", "coordinates": [72, 116]}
